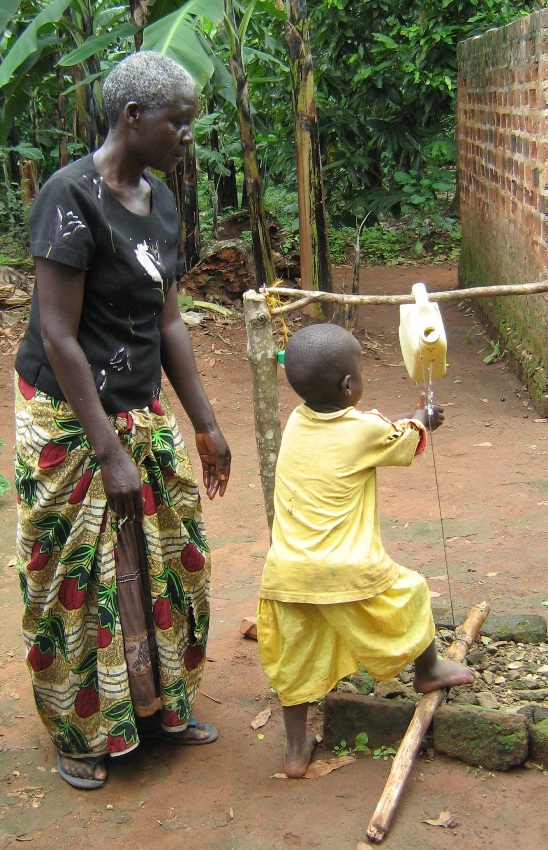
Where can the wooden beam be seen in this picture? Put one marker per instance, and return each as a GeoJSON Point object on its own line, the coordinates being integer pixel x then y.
{"type": "Point", "coordinates": [449, 295]}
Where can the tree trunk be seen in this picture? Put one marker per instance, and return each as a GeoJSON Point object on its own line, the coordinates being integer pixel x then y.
{"type": "Point", "coordinates": [227, 190]}
{"type": "Point", "coordinates": [13, 173]}
{"type": "Point", "coordinates": [262, 251]}
{"type": "Point", "coordinates": [97, 125]}
{"type": "Point", "coordinates": [314, 239]}
{"type": "Point", "coordinates": [62, 118]}
{"type": "Point", "coordinates": [183, 185]}
{"type": "Point", "coordinates": [138, 10]}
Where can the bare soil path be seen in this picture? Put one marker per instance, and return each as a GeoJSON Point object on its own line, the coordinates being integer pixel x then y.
{"type": "Point", "coordinates": [487, 476]}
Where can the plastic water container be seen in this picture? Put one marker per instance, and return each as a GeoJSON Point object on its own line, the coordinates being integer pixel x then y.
{"type": "Point", "coordinates": [422, 337]}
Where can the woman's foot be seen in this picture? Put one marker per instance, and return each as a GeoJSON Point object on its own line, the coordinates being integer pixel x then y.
{"type": "Point", "coordinates": [297, 760]}
{"type": "Point", "coordinates": [85, 773]}
{"type": "Point", "coordinates": [442, 674]}
{"type": "Point", "coordinates": [197, 732]}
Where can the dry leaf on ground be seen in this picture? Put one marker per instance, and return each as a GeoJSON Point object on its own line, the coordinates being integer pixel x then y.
{"type": "Point", "coordinates": [262, 718]}
{"type": "Point", "coordinates": [321, 768]}
{"type": "Point", "coordinates": [446, 819]}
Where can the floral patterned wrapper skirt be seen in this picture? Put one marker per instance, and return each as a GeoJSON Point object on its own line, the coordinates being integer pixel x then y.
{"type": "Point", "coordinates": [116, 614]}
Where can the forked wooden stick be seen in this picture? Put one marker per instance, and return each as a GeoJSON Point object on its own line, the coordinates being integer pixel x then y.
{"type": "Point", "coordinates": [465, 636]}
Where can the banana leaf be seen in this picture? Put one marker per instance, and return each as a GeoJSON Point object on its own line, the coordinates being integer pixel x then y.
{"type": "Point", "coordinates": [27, 43]}
{"type": "Point", "coordinates": [177, 36]}
{"type": "Point", "coordinates": [7, 12]}
{"type": "Point", "coordinates": [97, 43]}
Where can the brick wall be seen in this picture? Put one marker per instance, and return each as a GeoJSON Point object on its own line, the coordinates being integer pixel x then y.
{"type": "Point", "coordinates": [502, 126]}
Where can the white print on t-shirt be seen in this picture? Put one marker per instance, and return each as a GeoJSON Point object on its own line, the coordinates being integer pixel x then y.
{"type": "Point", "coordinates": [150, 260]}
{"type": "Point", "coordinates": [66, 224]}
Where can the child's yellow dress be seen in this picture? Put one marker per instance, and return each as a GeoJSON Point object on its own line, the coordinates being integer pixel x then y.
{"type": "Point", "coordinates": [331, 598]}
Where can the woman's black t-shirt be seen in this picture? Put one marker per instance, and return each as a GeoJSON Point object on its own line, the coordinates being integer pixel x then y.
{"type": "Point", "coordinates": [130, 262]}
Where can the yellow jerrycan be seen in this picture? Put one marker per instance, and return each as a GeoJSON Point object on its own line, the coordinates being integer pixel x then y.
{"type": "Point", "coordinates": [422, 337]}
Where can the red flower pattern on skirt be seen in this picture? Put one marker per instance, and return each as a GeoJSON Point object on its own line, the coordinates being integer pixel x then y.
{"type": "Point", "coordinates": [192, 559]}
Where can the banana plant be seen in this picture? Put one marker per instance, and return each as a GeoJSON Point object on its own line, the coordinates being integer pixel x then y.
{"type": "Point", "coordinates": [314, 239]}
{"type": "Point", "coordinates": [262, 250]}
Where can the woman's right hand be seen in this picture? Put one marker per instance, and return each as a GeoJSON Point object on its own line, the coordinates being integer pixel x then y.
{"type": "Point", "coordinates": [122, 485]}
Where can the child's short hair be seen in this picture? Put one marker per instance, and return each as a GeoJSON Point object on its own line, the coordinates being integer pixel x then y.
{"type": "Point", "coordinates": [317, 359]}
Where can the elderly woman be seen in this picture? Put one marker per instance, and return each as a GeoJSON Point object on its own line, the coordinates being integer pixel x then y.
{"type": "Point", "coordinates": [112, 553]}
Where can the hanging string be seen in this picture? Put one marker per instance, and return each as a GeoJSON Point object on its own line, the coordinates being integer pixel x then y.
{"type": "Point", "coordinates": [430, 409]}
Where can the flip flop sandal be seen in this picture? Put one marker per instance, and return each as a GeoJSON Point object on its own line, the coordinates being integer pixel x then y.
{"type": "Point", "coordinates": [211, 732]}
{"type": "Point", "coordinates": [80, 781]}
{"type": "Point", "coordinates": [162, 735]}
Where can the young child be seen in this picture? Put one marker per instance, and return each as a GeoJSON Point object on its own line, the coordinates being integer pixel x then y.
{"type": "Point", "coordinates": [331, 598]}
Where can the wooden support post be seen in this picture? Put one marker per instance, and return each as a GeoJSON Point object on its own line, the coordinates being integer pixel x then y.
{"type": "Point", "coordinates": [262, 353]}
{"type": "Point", "coordinates": [465, 636]}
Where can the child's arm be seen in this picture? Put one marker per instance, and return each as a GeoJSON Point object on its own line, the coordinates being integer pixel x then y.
{"type": "Point", "coordinates": [432, 421]}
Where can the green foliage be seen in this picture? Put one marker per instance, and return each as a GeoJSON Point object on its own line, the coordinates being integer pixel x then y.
{"type": "Point", "coordinates": [386, 88]}
{"type": "Point", "coordinates": [423, 192]}
{"type": "Point", "coordinates": [4, 483]}
{"type": "Point", "coordinates": [495, 352]}
{"type": "Point", "coordinates": [177, 35]}
{"type": "Point", "coordinates": [185, 302]}
{"type": "Point", "coordinates": [384, 753]}
{"type": "Point", "coordinates": [385, 76]}
{"type": "Point", "coordinates": [409, 241]}
{"type": "Point", "coordinates": [13, 210]}
{"type": "Point", "coordinates": [360, 746]}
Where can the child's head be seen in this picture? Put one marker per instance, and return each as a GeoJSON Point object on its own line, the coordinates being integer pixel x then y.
{"type": "Point", "coordinates": [323, 364]}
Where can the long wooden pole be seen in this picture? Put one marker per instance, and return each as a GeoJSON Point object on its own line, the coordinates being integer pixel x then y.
{"type": "Point", "coordinates": [262, 354]}
{"type": "Point", "coordinates": [449, 295]}
{"type": "Point", "coordinates": [424, 712]}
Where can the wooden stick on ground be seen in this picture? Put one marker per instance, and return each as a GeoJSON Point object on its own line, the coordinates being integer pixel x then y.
{"type": "Point", "coordinates": [465, 636]}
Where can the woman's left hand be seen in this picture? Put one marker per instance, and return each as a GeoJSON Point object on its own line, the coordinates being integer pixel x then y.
{"type": "Point", "coordinates": [215, 456]}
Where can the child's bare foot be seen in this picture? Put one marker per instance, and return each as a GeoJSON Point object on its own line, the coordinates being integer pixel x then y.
{"type": "Point", "coordinates": [442, 674]}
{"type": "Point", "coordinates": [297, 760]}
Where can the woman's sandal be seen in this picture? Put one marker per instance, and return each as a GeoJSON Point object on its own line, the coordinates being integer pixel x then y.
{"type": "Point", "coordinates": [172, 737]}
{"type": "Point", "coordinates": [86, 784]}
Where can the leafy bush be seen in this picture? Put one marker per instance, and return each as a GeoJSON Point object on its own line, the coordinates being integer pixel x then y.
{"type": "Point", "coordinates": [4, 483]}
{"type": "Point", "coordinates": [415, 239]}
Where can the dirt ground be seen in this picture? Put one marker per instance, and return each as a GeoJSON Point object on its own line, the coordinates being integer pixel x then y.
{"type": "Point", "coordinates": [470, 515]}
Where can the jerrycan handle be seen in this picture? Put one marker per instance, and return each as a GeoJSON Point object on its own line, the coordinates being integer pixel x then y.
{"type": "Point", "coordinates": [429, 334]}
{"type": "Point", "coordinates": [420, 295]}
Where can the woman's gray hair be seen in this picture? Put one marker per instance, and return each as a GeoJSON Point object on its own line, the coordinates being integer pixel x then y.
{"type": "Point", "coordinates": [150, 79]}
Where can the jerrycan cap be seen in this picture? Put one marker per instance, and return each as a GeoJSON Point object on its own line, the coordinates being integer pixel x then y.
{"type": "Point", "coordinates": [430, 335]}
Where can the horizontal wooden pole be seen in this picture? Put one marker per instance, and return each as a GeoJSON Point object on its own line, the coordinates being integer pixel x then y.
{"type": "Point", "coordinates": [303, 297]}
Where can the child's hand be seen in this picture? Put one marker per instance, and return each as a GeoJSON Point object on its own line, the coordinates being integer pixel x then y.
{"type": "Point", "coordinates": [432, 419]}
